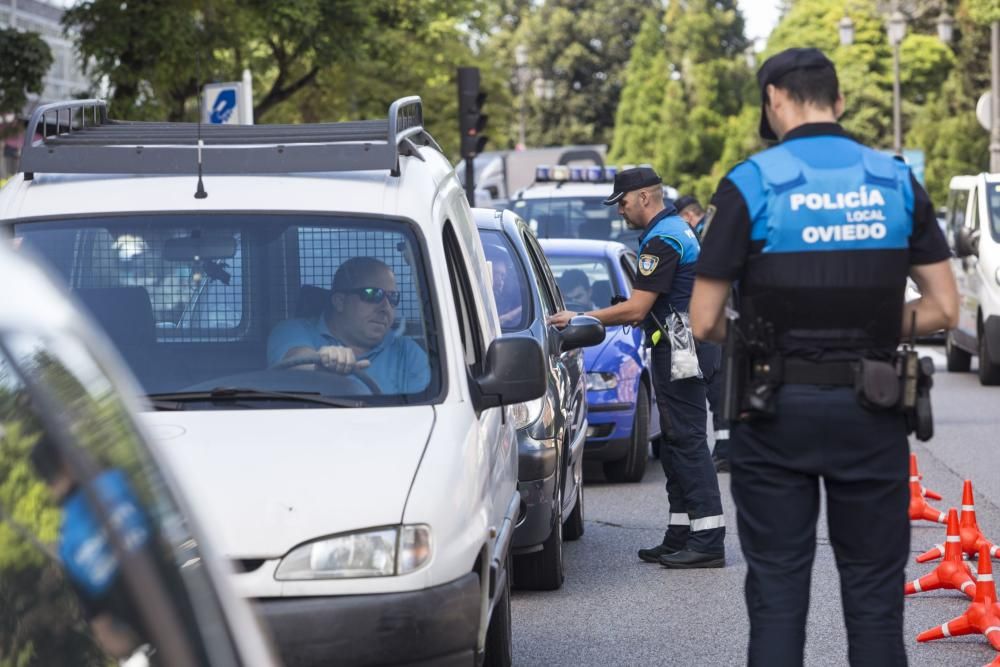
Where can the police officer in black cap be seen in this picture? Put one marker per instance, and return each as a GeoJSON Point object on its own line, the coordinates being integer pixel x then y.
{"type": "Point", "coordinates": [668, 250]}
{"type": "Point", "coordinates": [820, 232]}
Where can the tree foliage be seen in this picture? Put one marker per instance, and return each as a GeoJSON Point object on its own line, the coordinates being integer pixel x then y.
{"type": "Point", "coordinates": [24, 60]}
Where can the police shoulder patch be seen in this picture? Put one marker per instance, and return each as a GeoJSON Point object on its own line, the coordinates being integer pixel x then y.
{"type": "Point", "coordinates": [647, 264]}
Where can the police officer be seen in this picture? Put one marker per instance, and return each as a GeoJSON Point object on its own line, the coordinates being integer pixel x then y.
{"type": "Point", "coordinates": [820, 232]}
{"type": "Point", "coordinates": [689, 208]}
{"type": "Point", "coordinates": [668, 250]}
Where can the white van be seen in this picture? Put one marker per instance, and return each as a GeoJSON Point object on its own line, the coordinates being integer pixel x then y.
{"type": "Point", "coordinates": [369, 513]}
{"type": "Point", "coordinates": [973, 231]}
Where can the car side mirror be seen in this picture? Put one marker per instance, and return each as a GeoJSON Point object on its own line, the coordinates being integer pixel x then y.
{"type": "Point", "coordinates": [582, 331]}
{"type": "Point", "coordinates": [514, 373]}
{"type": "Point", "coordinates": [966, 242]}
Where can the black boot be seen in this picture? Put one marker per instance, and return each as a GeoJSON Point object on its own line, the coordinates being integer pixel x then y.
{"type": "Point", "coordinates": [653, 554]}
{"type": "Point", "coordinates": [688, 560]}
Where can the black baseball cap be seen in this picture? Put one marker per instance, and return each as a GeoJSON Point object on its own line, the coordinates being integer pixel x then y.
{"type": "Point", "coordinates": [632, 179]}
{"type": "Point", "coordinates": [778, 66]}
{"type": "Point", "coordinates": [682, 203]}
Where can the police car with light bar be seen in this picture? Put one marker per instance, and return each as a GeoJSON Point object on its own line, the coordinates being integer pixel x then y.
{"type": "Point", "coordinates": [567, 202]}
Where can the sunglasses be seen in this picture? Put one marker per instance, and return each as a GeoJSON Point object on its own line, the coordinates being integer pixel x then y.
{"type": "Point", "coordinates": [375, 295]}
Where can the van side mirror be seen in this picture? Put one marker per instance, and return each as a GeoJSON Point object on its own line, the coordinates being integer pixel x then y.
{"type": "Point", "coordinates": [582, 331]}
{"type": "Point", "coordinates": [966, 242]}
{"type": "Point", "coordinates": [514, 373]}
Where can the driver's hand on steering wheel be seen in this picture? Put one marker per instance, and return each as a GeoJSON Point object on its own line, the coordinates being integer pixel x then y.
{"type": "Point", "coordinates": [341, 359]}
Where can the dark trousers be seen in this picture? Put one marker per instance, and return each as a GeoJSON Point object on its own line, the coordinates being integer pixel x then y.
{"type": "Point", "coordinates": [713, 379]}
{"type": "Point", "coordinates": [777, 464]}
{"type": "Point", "coordinates": [696, 521]}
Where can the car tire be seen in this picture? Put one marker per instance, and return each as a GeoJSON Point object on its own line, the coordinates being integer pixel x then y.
{"type": "Point", "coordinates": [989, 368]}
{"type": "Point", "coordinates": [573, 526]}
{"type": "Point", "coordinates": [543, 570]}
{"type": "Point", "coordinates": [957, 360]}
{"type": "Point", "coordinates": [499, 635]}
{"type": "Point", "coordinates": [632, 467]}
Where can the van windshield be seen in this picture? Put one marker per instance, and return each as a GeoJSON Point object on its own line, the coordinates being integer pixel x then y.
{"type": "Point", "coordinates": [277, 306]}
{"type": "Point", "coordinates": [575, 218]}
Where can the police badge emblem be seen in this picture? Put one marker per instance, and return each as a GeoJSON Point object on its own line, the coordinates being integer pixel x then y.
{"type": "Point", "coordinates": [647, 264]}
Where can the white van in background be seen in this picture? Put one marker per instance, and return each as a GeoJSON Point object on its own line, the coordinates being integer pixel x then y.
{"type": "Point", "coordinates": [973, 231]}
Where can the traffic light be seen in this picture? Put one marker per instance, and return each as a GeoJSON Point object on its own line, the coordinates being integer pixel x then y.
{"type": "Point", "coordinates": [471, 120]}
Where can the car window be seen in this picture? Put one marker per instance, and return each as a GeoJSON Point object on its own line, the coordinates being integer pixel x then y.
{"type": "Point", "coordinates": [465, 310]}
{"type": "Point", "coordinates": [551, 299]}
{"type": "Point", "coordinates": [510, 282]}
{"type": "Point", "coordinates": [97, 564]}
{"type": "Point", "coordinates": [959, 205]}
{"type": "Point", "coordinates": [586, 283]}
{"type": "Point", "coordinates": [198, 301]}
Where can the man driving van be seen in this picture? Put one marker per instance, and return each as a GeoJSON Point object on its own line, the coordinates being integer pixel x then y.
{"type": "Point", "coordinates": [354, 331]}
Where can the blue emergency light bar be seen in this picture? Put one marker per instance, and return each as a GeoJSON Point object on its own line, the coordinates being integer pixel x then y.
{"type": "Point", "coordinates": [563, 173]}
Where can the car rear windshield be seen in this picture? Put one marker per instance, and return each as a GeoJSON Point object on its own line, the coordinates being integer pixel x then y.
{"type": "Point", "coordinates": [266, 303]}
{"type": "Point", "coordinates": [574, 218]}
{"type": "Point", "coordinates": [586, 282]}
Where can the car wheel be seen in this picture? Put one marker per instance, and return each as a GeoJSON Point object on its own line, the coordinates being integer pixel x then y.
{"type": "Point", "coordinates": [573, 527]}
{"type": "Point", "coordinates": [632, 467]}
{"type": "Point", "coordinates": [957, 359]}
{"type": "Point", "coordinates": [499, 635]}
{"type": "Point", "coordinates": [543, 570]}
{"type": "Point", "coordinates": [989, 368]}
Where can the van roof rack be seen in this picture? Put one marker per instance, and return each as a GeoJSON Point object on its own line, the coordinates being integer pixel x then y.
{"type": "Point", "coordinates": [77, 137]}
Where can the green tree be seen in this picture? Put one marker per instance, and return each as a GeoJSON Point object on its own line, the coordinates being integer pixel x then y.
{"type": "Point", "coordinates": [25, 58]}
{"type": "Point", "coordinates": [581, 47]}
{"type": "Point", "coordinates": [984, 11]}
{"type": "Point", "coordinates": [637, 119]}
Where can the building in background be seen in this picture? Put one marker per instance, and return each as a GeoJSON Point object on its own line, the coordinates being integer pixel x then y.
{"type": "Point", "coordinates": [64, 80]}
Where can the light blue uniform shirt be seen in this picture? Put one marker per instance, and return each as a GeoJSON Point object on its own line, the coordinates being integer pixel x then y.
{"type": "Point", "coordinates": [398, 364]}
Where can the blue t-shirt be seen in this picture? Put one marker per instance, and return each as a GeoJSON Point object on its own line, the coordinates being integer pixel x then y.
{"type": "Point", "coordinates": [398, 364]}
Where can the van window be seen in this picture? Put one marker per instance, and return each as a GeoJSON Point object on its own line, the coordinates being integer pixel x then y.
{"type": "Point", "coordinates": [465, 308]}
{"type": "Point", "coordinates": [198, 301]}
{"type": "Point", "coordinates": [957, 208]}
{"type": "Point", "coordinates": [993, 201]}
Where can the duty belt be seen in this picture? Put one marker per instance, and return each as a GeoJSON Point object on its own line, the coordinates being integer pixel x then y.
{"type": "Point", "coordinates": [801, 371]}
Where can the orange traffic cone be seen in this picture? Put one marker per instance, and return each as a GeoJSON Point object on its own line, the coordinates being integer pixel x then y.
{"type": "Point", "coordinates": [915, 472]}
{"type": "Point", "coordinates": [981, 616]}
{"type": "Point", "coordinates": [968, 528]}
{"type": "Point", "coordinates": [952, 573]}
{"type": "Point", "coordinates": [919, 508]}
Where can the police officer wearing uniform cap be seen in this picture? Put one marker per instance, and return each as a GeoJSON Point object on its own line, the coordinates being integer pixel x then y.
{"type": "Point", "coordinates": [820, 232]}
{"type": "Point", "coordinates": [668, 250]}
{"type": "Point", "coordinates": [689, 208]}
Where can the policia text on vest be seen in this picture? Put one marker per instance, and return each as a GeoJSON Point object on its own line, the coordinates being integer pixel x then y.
{"type": "Point", "coordinates": [819, 234]}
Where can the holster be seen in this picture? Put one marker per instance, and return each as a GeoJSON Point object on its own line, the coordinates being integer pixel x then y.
{"type": "Point", "coordinates": [877, 384]}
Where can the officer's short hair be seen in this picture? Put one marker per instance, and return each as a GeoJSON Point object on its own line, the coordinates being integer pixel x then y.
{"type": "Point", "coordinates": [813, 85]}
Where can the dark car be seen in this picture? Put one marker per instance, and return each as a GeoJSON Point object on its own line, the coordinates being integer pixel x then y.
{"type": "Point", "coordinates": [622, 414]}
{"type": "Point", "coordinates": [552, 429]}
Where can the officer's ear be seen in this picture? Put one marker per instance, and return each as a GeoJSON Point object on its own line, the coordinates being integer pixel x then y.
{"type": "Point", "coordinates": [838, 106]}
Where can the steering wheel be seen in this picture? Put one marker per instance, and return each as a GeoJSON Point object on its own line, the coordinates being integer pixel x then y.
{"type": "Point", "coordinates": [313, 358]}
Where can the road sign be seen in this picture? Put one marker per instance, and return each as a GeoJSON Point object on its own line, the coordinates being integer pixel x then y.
{"type": "Point", "coordinates": [227, 103]}
{"type": "Point", "coordinates": [984, 111]}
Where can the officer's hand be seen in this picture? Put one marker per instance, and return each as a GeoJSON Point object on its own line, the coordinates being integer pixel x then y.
{"type": "Point", "coordinates": [341, 359]}
{"type": "Point", "coordinates": [561, 319]}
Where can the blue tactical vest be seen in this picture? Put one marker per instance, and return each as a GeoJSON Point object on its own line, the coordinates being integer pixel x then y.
{"type": "Point", "coordinates": [678, 234]}
{"type": "Point", "coordinates": [830, 227]}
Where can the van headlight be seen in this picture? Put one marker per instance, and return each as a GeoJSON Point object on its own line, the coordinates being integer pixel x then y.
{"type": "Point", "coordinates": [383, 552]}
{"type": "Point", "coordinates": [601, 381]}
{"type": "Point", "coordinates": [527, 413]}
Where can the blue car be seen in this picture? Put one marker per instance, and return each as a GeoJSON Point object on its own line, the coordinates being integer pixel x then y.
{"type": "Point", "coordinates": [623, 417]}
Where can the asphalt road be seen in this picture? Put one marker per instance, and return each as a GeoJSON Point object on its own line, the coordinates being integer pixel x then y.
{"type": "Point", "coordinates": [616, 610]}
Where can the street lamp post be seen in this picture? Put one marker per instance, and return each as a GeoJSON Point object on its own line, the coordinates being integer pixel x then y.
{"type": "Point", "coordinates": [521, 60]}
{"type": "Point", "coordinates": [897, 31]}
